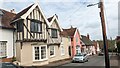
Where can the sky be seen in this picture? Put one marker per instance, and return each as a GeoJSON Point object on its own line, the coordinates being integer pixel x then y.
{"type": "Point", "coordinates": [75, 13]}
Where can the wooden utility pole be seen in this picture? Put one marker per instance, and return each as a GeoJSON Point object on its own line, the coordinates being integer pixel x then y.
{"type": "Point", "coordinates": [107, 63]}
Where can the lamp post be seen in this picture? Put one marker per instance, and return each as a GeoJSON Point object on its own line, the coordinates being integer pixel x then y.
{"type": "Point", "coordinates": [100, 4]}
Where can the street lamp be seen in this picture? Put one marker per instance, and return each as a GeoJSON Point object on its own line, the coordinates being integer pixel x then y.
{"type": "Point", "coordinates": [100, 5]}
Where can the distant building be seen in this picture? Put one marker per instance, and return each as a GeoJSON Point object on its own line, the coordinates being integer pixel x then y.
{"type": "Point", "coordinates": [97, 47]}
{"type": "Point", "coordinates": [87, 45]}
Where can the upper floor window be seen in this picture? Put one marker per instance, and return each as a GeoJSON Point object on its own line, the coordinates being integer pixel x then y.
{"type": "Point", "coordinates": [76, 39]}
{"type": "Point", "coordinates": [20, 26]}
{"type": "Point", "coordinates": [35, 26]}
{"type": "Point", "coordinates": [54, 33]}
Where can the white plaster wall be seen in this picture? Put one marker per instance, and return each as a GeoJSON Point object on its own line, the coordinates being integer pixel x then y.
{"type": "Point", "coordinates": [7, 35]}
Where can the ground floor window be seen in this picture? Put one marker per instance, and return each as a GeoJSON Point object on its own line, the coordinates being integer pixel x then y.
{"type": "Point", "coordinates": [62, 50]}
{"type": "Point", "coordinates": [78, 49]}
{"type": "Point", "coordinates": [52, 51]}
{"type": "Point", "coordinates": [43, 52]}
{"type": "Point", "coordinates": [3, 49]}
{"type": "Point", "coordinates": [39, 52]}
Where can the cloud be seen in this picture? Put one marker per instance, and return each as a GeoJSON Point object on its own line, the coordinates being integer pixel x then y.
{"type": "Point", "coordinates": [75, 12]}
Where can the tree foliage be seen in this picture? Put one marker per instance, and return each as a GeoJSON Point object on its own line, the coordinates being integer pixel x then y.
{"type": "Point", "coordinates": [118, 46]}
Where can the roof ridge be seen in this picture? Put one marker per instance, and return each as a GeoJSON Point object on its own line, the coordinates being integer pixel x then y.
{"type": "Point", "coordinates": [7, 11]}
{"type": "Point", "coordinates": [23, 12]}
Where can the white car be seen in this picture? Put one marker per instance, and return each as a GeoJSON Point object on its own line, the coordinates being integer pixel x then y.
{"type": "Point", "coordinates": [80, 58]}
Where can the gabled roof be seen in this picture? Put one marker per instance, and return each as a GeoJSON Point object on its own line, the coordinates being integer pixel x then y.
{"type": "Point", "coordinates": [22, 12]}
{"type": "Point", "coordinates": [85, 40]}
{"type": "Point", "coordinates": [68, 32]}
{"type": "Point", "coordinates": [52, 19]}
{"type": "Point", "coordinates": [6, 19]}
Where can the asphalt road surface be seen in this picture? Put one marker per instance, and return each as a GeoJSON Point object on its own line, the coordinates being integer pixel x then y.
{"type": "Point", "coordinates": [93, 62]}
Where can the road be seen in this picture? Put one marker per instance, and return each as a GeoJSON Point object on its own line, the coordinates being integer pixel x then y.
{"type": "Point", "coordinates": [94, 62]}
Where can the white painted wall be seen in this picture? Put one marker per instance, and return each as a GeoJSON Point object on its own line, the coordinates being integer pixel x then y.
{"type": "Point", "coordinates": [7, 35]}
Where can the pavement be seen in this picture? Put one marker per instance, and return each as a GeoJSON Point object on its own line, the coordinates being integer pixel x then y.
{"type": "Point", "coordinates": [114, 60]}
{"type": "Point", "coordinates": [58, 63]}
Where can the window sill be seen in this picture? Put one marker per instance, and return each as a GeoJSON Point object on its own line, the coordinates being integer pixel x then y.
{"type": "Point", "coordinates": [52, 56]}
{"type": "Point", "coordinates": [54, 37]}
{"type": "Point", "coordinates": [36, 32]}
{"type": "Point", "coordinates": [40, 60]}
{"type": "Point", "coordinates": [62, 54]}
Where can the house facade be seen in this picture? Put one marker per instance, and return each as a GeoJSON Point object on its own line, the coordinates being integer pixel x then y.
{"type": "Point", "coordinates": [31, 36]}
{"type": "Point", "coordinates": [57, 44]}
{"type": "Point", "coordinates": [87, 45]}
{"type": "Point", "coordinates": [74, 35]}
{"type": "Point", "coordinates": [6, 35]}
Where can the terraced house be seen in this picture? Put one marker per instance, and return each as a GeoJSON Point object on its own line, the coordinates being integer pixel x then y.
{"type": "Point", "coordinates": [38, 39]}
{"type": "Point", "coordinates": [7, 39]}
{"type": "Point", "coordinates": [58, 44]}
{"type": "Point", "coordinates": [74, 36]}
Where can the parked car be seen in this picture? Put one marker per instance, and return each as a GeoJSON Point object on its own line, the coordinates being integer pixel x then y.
{"type": "Point", "coordinates": [80, 58]}
{"type": "Point", "coordinates": [101, 54]}
{"type": "Point", "coordinates": [9, 65]}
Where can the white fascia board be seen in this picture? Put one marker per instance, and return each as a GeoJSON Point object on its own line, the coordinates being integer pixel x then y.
{"type": "Point", "coordinates": [31, 9]}
{"type": "Point", "coordinates": [56, 22]}
{"type": "Point", "coordinates": [75, 33]}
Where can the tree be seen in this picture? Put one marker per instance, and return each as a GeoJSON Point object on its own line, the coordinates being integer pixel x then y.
{"type": "Point", "coordinates": [118, 46]}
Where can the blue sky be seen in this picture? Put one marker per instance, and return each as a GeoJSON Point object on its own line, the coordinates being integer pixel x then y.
{"type": "Point", "coordinates": [75, 13]}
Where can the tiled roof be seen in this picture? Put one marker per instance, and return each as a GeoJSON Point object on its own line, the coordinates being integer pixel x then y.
{"type": "Point", "coordinates": [6, 19]}
{"type": "Point", "coordinates": [50, 18]}
{"type": "Point", "coordinates": [85, 40]}
{"type": "Point", "coordinates": [22, 12]}
{"type": "Point", "coordinates": [68, 32]}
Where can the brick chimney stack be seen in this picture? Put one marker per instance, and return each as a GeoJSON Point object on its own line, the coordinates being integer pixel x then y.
{"type": "Point", "coordinates": [12, 10]}
{"type": "Point", "coordinates": [88, 36]}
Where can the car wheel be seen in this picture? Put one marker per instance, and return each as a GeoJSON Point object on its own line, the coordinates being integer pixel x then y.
{"type": "Point", "coordinates": [87, 60]}
{"type": "Point", "coordinates": [72, 61]}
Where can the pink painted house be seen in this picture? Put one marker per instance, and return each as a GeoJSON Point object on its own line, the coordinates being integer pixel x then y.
{"type": "Point", "coordinates": [74, 35]}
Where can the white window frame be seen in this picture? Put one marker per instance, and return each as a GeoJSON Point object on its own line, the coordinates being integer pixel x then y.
{"type": "Point", "coordinates": [54, 51]}
{"type": "Point", "coordinates": [62, 52]}
{"type": "Point", "coordinates": [5, 49]}
{"type": "Point", "coordinates": [39, 52]}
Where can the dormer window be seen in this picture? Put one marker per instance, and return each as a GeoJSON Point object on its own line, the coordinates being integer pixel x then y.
{"type": "Point", "coordinates": [54, 33]}
{"type": "Point", "coordinates": [36, 26]}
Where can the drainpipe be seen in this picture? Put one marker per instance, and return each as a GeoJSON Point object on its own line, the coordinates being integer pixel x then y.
{"type": "Point", "coordinates": [13, 44]}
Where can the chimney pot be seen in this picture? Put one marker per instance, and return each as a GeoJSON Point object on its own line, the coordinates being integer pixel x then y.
{"type": "Point", "coordinates": [12, 10]}
{"type": "Point", "coordinates": [88, 36]}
